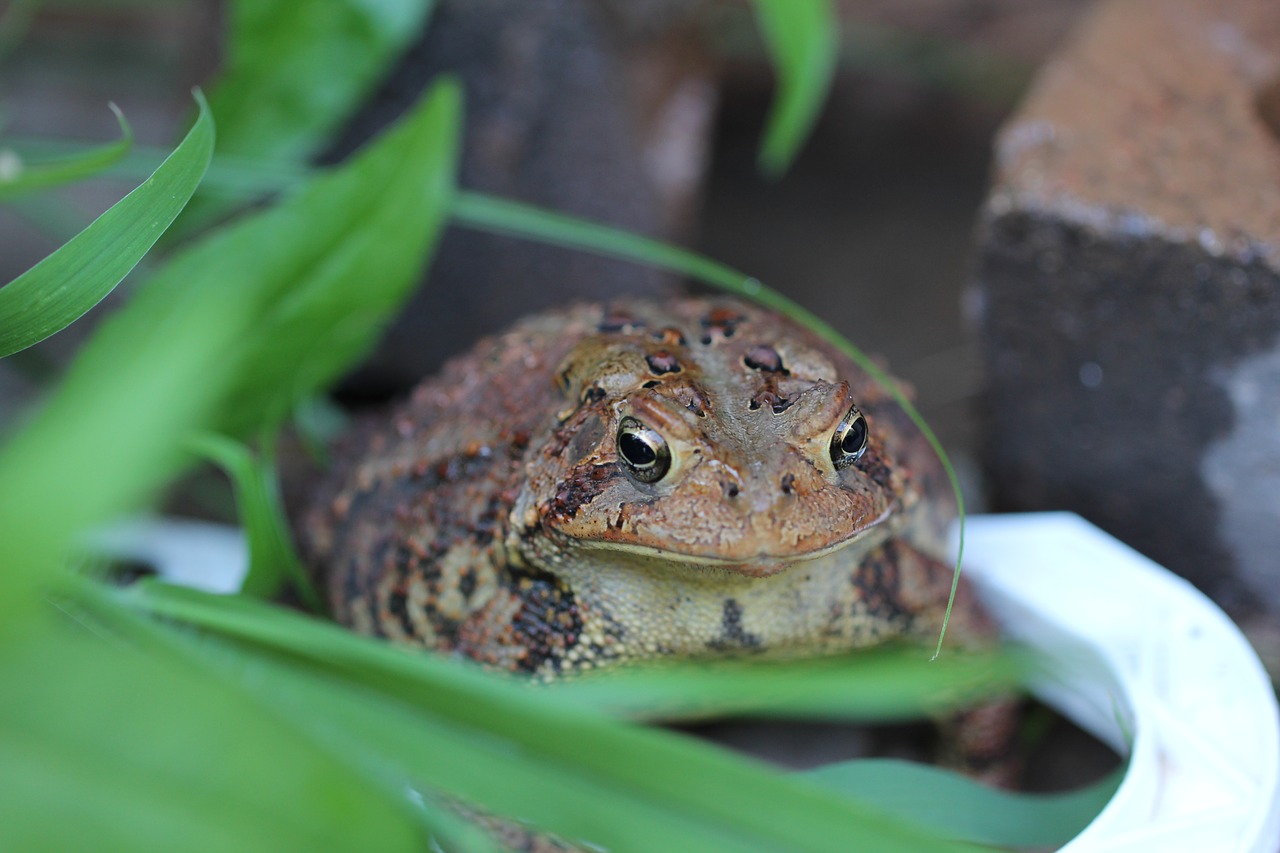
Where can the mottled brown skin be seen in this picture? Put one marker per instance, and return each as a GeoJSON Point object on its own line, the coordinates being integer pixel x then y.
{"type": "Point", "coordinates": [492, 517]}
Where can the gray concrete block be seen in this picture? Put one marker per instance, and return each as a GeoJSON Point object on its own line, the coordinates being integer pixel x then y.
{"type": "Point", "coordinates": [1127, 291]}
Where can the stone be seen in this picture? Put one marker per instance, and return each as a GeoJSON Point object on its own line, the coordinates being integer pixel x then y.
{"type": "Point", "coordinates": [1126, 291]}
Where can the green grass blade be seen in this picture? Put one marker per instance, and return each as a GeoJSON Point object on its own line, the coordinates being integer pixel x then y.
{"type": "Point", "coordinates": [37, 176]}
{"type": "Point", "coordinates": [292, 76]}
{"type": "Point", "coordinates": [61, 288]}
{"type": "Point", "coordinates": [273, 562]}
{"type": "Point", "coordinates": [958, 807]}
{"type": "Point", "coordinates": [114, 751]}
{"type": "Point", "coordinates": [870, 685]}
{"type": "Point", "coordinates": [520, 220]}
{"type": "Point", "coordinates": [333, 261]}
{"type": "Point", "coordinates": [803, 40]}
{"type": "Point", "coordinates": [540, 733]}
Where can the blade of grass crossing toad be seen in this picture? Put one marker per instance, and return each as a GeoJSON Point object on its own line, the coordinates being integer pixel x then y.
{"type": "Point", "coordinates": [115, 751]}
{"type": "Point", "coordinates": [500, 216]}
{"type": "Point", "coordinates": [61, 288]}
{"type": "Point", "coordinates": [803, 40]}
{"type": "Point", "coordinates": [22, 177]}
{"type": "Point", "coordinates": [685, 777]}
{"type": "Point", "coordinates": [871, 685]}
{"type": "Point", "coordinates": [958, 807]}
{"type": "Point", "coordinates": [410, 749]}
{"type": "Point", "coordinates": [273, 562]}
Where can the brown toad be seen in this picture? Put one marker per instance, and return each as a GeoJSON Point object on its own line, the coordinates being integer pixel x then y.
{"type": "Point", "coordinates": [612, 483]}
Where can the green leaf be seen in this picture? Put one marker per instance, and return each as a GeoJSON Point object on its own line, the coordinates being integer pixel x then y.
{"type": "Point", "coordinates": [109, 750]}
{"type": "Point", "coordinates": [329, 265]}
{"type": "Point", "coordinates": [273, 562]}
{"type": "Point", "coordinates": [21, 177]}
{"type": "Point", "coordinates": [803, 40]}
{"type": "Point", "coordinates": [515, 750]}
{"type": "Point", "coordinates": [873, 684]}
{"type": "Point", "coordinates": [61, 288]}
{"type": "Point", "coordinates": [507, 217]}
{"type": "Point", "coordinates": [293, 73]}
{"type": "Point", "coordinates": [960, 808]}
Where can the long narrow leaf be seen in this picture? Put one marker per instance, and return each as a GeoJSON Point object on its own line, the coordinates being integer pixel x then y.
{"type": "Point", "coordinates": [540, 733]}
{"type": "Point", "coordinates": [333, 261]}
{"type": "Point", "coordinates": [273, 562]}
{"type": "Point", "coordinates": [958, 807]}
{"type": "Point", "coordinates": [803, 39]}
{"type": "Point", "coordinates": [507, 217]}
{"type": "Point", "coordinates": [874, 684]}
{"type": "Point", "coordinates": [29, 177]}
{"type": "Point", "coordinates": [293, 74]}
{"type": "Point", "coordinates": [61, 288]}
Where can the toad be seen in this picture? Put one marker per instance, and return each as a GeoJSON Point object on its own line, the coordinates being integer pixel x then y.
{"type": "Point", "coordinates": [611, 483]}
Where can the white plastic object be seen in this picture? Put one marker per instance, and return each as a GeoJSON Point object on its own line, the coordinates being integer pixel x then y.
{"type": "Point", "coordinates": [1149, 665]}
{"type": "Point", "coordinates": [197, 554]}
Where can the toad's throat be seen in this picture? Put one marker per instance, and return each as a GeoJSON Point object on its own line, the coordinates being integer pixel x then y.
{"type": "Point", "coordinates": [761, 565]}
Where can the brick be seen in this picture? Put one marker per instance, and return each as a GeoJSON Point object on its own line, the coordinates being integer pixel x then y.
{"type": "Point", "coordinates": [1127, 290]}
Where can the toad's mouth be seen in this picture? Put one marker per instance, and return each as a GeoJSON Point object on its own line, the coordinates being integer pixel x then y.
{"type": "Point", "coordinates": [761, 562]}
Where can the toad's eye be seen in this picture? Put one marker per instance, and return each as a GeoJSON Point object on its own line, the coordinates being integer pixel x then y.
{"type": "Point", "coordinates": [850, 439]}
{"type": "Point", "coordinates": [644, 453]}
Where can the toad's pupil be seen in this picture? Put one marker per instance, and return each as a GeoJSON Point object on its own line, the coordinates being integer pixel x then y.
{"type": "Point", "coordinates": [637, 451]}
{"type": "Point", "coordinates": [855, 437]}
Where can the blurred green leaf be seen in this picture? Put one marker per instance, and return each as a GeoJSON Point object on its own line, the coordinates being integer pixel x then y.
{"type": "Point", "coordinates": [873, 684]}
{"type": "Point", "coordinates": [294, 71]}
{"type": "Point", "coordinates": [61, 288]}
{"type": "Point", "coordinates": [803, 39]}
{"type": "Point", "coordinates": [958, 807]}
{"type": "Point", "coordinates": [273, 562]}
{"type": "Point", "coordinates": [500, 216]}
{"type": "Point", "coordinates": [19, 176]}
{"type": "Point", "coordinates": [106, 749]}
{"type": "Point", "coordinates": [515, 750]}
{"type": "Point", "coordinates": [332, 262]}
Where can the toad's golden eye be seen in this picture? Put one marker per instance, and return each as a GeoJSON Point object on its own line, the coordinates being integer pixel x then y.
{"type": "Point", "coordinates": [849, 441]}
{"type": "Point", "coordinates": [643, 452]}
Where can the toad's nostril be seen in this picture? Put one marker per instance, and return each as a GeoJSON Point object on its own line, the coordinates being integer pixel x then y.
{"type": "Point", "coordinates": [730, 489]}
{"type": "Point", "coordinates": [788, 484]}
